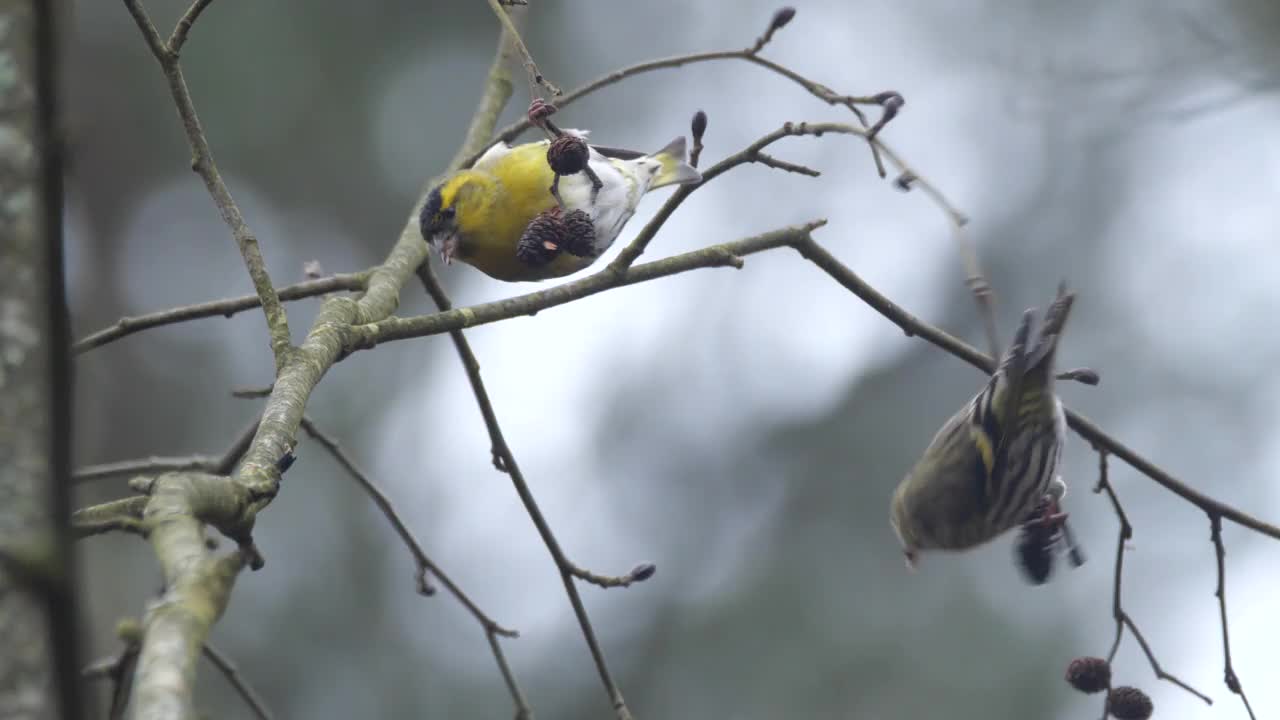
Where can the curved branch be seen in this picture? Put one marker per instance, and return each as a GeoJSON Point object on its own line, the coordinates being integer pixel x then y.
{"type": "Point", "coordinates": [226, 308]}
{"type": "Point", "coordinates": [166, 54]}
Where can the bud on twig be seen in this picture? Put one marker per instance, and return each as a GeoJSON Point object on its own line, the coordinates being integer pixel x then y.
{"type": "Point", "coordinates": [643, 572]}
{"type": "Point", "coordinates": [699, 126]}
{"type": "Point", "coordinates": [781, 18]}
{"type": "Point", "coordinates": [892, 102]}
{"type": "Point", "coordinates": [776, 23]}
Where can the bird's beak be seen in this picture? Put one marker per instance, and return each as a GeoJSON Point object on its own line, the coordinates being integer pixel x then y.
{"type": "Point", "coordinates": [448, 247]}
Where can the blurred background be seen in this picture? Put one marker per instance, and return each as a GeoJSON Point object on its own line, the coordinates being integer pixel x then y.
{"type": "Point", "coordinates": [742, 430]}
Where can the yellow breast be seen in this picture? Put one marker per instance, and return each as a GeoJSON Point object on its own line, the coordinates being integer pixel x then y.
{"type": "Point", "coordinates": [487, 240]}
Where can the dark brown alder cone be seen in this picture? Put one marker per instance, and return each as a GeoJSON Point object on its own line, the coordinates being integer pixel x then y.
{"type": "Point", "coordinates": [1089, 674]}
{"type": "Point", "coordinates": [1129, 703]}
{"type": "Point", "coordinates": [542, 239]}
{"type": "Point", "coordinates": [579, 234]}
{"type": "Point", "coordinates": [568, 155]}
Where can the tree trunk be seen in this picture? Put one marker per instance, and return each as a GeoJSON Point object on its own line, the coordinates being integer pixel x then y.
{"type": "Point", "coordinates": [37, 616]}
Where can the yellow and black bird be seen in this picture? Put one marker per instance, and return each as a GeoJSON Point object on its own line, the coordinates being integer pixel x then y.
{"type": "Point", "coordinates": [481, 214]}
{"type": "Point", "coordinates": [994, 464]}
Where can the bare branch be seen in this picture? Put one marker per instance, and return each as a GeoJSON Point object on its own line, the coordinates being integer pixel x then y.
{"type": "Point", "coordinates": [750, 54]}
{"type": "Point", "coordinates": [523, 710]}
{"type": "Point", "coordinates": [202, 162]}
{"type": "Point", "coordinates": [396, 328]}
{"type": "Point", "coordinates": [227, 462]}
{"type": "Point", "coordinates": [388, 510]}
{"type": "Point", "coordinates": [773, 162]}
{"type": "Point", "coordinates": [143, 466]}
{"type": "Point", "coordinates": [124, 515]}
{"type": "Point", "coordinates": [425, 565]}
{"type": "Point", "coordinates": [1228, 672]}
{"type": "Point", "coordinates": [220, 465]}
{"type": "Point", "coordinates": [226, 308]}
{"type": "Point", "coordinates": [252, 393]}
{"type": "Point", "coordinates": [242, 686]}
{"type": "Point", "coordinates": [504, 461]}
{"type": "Point", "coordinates": [183, 28]}
{"type": "Point", "coordinates": [535, 75]}
{"type": "Point", "coordinates": [1122, 618]}
{"type": "Point", "coordinates": [639, 573]}
{"type": "Point", "coordinates": [750, 154]}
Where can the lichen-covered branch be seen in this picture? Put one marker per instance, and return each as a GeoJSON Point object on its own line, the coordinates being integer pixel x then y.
{"type": "Point", "coordinates": [124, 515]}
{"type": "Point", "coordinates": [197, 582]}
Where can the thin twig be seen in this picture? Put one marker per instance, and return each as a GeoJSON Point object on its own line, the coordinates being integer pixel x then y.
{"type": "Point", "coordinates": [750, 54]}
{"type": "Point", "coordinates": [1122, 618]}
{"type": "Point", "coordinates": [1228, 672]}
{"type": "Point", "coordinates": [535, 75]}
{"type": "Point", "coordinates": [242, 686]}
{"type": "Point", "coordinates": [251, 393]}
{"type": "Point", "coordinates": [1155, 666]}
{"type": "Point", "coordinates": [183, 28]}
{"type": "Point", "coordinates": [977, 283]}
{"type": "Point", "coordinates": [750, 154]}
{"type": "Point", "coordinates": [166, 55]}
{"type": "Point", "coordinates": [118, 669]}
{"type": "Point", "coordinates": [639, 573]}
{"type": "Point", "coordinates": [504, 460]}
{"type": "Point", "coordinates": [425, 565]}
{"type": "Point", "coordinates": [773, 162]}
{"type": "Point", "coordinates": [143, 466]}
{"type": "Point", "coordinates": [388, 510]}
{"type": "Point", "coordinates": [225, 308]}
{"type": "Point", "coordinates": [523, 710]}
{"type": "Point", "coordinates": [227, 462]}
{"type": "Point", "coordinates": [154, 465]}
{"type": "Point", "coordinates": [123, 515]}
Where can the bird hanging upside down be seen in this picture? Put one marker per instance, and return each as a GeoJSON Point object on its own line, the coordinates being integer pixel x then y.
{"type": "Point", "coordinates": [511, 214]}
{"type": "Point", "coordinates": [994, 464]}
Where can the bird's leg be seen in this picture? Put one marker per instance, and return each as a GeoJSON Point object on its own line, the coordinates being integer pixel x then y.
{"type": "Point", "coordinates": [555, 191]}
{"type": "Point", "coordinates": [1050, 514]}
{"type": "Point", "coordinates": [596, 183]}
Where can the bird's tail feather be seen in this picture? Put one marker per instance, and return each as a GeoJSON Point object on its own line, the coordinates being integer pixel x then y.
{"type": "Point", "coordinates": [1040, 358]}
{"type": "Point", "coordinates": [675, 169]}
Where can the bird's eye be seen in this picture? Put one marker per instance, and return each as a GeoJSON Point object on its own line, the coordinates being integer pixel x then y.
{"type": "Point", "coordinates": [447, 213]}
